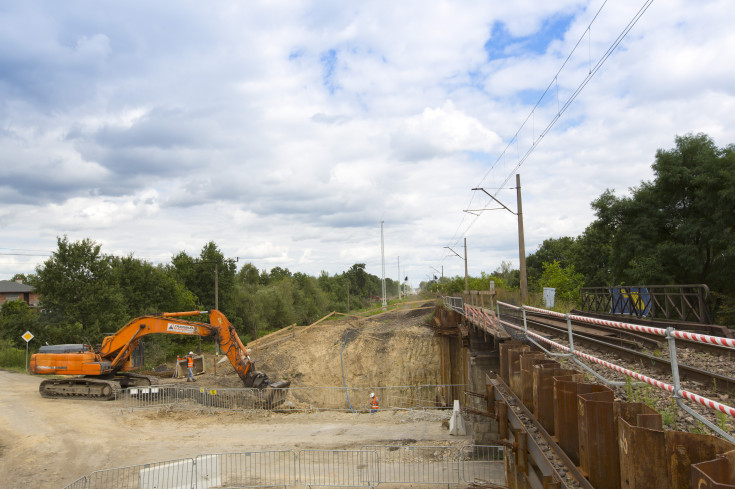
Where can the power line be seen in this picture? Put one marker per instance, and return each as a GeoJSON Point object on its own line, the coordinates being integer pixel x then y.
{"type": "Point", "coordinates": [22, 249]}
{"type": "Point", "coordinates": [560, 108]}
{"type": "Point", "coordinates": [23, 254]}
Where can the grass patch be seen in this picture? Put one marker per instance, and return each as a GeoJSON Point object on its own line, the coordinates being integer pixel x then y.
{"type": "Point", "coordinates": [12, 358]}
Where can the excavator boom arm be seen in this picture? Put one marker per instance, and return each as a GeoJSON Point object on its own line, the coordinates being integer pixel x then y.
{"type": "Point", "coordinates": [118, 347]}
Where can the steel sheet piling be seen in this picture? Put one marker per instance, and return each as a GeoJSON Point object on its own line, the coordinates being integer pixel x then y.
{"type": "Point", "coordinates": [598, 449]}
{"type": "Point", "coordinates": [641, 443]}
{"type": "Point", "coordinates": [527, 362]}
{"type": "Point", "coordinates": [715, 474]}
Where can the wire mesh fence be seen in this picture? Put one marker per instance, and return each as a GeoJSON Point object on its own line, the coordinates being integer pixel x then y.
{"type": "Point", "coordinates": [80, 483]}
{"type": "Point", "coordinates": [248, 469]}
{"type": "Point", "coordinates": [353, 399]}
{"type": "Point", "coordinates": [368, 467]}
{"type": "Point", "coordinates": [417, 464]}
{"type": "Point", "coordinates": [482, 463]}
{"type": "Point", "coordinates": [170, 474]}
{"type": "Point", "coordinates": [340, 468]}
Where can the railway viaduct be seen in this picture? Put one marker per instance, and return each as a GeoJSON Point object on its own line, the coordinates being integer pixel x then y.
{"type": "Point", "coordinates": [559, 427]}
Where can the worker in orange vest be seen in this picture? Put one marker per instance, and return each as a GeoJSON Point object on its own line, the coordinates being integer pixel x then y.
{"type": "Point", "coordinates": [373, 403]}
{"type": "Point", "coordinates": [190, 366]}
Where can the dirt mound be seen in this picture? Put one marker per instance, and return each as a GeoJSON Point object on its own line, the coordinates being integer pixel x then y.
{"type": "Point", "coordinates": [389, 350]}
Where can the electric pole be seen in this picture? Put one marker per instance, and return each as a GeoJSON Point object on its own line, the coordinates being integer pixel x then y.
{"type": "Point", "coordinates": [399, 278]}
{"type": "Point", "coordinates": [521, 243]}
{"type": "Point", "coordinates": [521, 238]}
{"type": "Point", "coordinates": [382, 254]}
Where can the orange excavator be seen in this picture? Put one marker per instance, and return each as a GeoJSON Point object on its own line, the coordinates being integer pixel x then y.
{"type": "Point", "coordinates": [103, 371]}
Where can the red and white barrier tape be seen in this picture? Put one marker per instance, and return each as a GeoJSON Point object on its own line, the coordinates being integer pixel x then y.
{"type": "Point", "coordinates": [643, 378]}
{"type": "Point", "coordinates": [684, 335]}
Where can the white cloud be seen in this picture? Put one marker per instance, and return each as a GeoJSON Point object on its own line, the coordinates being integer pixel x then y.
{"type": "Point", "coordinates": [285, 131]}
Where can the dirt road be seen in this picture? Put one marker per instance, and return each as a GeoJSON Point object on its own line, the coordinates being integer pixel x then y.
{"type": "Point", "coordinates": [48, 443]}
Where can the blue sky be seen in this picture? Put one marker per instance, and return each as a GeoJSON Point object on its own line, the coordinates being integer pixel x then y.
{"type": "Point", "coordinates": [285, 131]}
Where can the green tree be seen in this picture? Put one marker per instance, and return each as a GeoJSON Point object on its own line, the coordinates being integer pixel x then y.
{"type": "Point", "coordinates": [198, 275]}
{"type": "Point", "coordinates": [566, 281]}
{"type": "Point", "coordinates": [147, 289]}
{"type": "Point", "coordinates": [19, 276]}
{"type": "Point", "coordinates": [680, 227]}
{"type": "Point", "coordinates": [559, 249]}
{"type": "Point", "coordinates": [593, 249]}
{"type": "Point", "coordinates": [76, 286]}
{"type": "Point", "coordinates": [16, 317]}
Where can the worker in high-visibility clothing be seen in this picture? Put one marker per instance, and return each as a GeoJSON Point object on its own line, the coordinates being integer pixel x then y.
{"type": "Point", "coordinates": [373, 403]}
{"type": "Point", "coordinates": [190, 366]}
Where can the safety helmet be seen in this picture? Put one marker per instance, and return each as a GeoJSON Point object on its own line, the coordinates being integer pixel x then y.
{"type": "Point", "coordinates": [191, 353]}
{"type": "Point", "coordinates": [372, 394]}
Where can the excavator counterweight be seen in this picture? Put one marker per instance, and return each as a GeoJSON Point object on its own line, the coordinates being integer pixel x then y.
{"type": "Point", "coordinates": [102, 372]}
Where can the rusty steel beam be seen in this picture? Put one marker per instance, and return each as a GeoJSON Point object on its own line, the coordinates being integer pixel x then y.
{"type": "Point", "coordinates": [539, 470]}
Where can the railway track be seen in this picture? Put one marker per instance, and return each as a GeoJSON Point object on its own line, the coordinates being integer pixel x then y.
{"type": "Point", "coordinates": [631, 346]}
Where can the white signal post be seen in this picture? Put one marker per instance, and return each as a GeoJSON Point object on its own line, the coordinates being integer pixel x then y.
{"type": "Point", "coordinates": [28, 336]}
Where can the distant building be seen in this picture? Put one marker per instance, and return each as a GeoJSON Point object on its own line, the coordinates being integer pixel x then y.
{"type": "Point", "coordinates": [17, 291]}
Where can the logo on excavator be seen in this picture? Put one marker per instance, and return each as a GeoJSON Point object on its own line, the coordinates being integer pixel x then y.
{"type": "Point", "coordinates": [180, 328]}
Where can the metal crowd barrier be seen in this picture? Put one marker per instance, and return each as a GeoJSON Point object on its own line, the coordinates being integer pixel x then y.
{"type": "Point", "coordinates": [292, 399]}
{"type": "Point", "coordinates": [417, 464]}
{"type": "Point", "coordinates": [170, 474]}
{"type": "Point", "coordinates": [482, 462]}
{"type": "Point", "coordinates": [368, 467]}
{"type": "Point", "coordinates": [80, 483]}
{"type": "Point", "coordinates": [342, 468]}
{"type": "Point", "coordinates": [249, 469]}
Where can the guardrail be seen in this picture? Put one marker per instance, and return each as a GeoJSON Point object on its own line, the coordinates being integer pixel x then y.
{"type": "Point", "coordinates": [178, 396]}
{"type": "Point", "coordinates": [670, 334]}
{"type": "Point", "coordinates": [367, 467]}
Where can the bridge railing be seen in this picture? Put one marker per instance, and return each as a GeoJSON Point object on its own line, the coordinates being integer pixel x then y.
{"type": "Point", "coordinates": [670, 302]}
{"type": "Point", "coordinates": [454, 303]}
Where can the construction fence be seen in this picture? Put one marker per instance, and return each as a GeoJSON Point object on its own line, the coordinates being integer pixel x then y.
{"type": "Point", "coordinates": [366, 467]}
{"type": "Point", "coordinates": [350, 399]}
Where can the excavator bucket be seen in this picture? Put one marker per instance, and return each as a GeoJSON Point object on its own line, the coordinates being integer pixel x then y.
{"type": "Point", "coordinates": [275, 394]}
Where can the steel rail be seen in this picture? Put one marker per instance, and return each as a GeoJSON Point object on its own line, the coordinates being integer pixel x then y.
{"type": "Point", "coordinates": [673, 389]}
{"type": "Point", "coordinates": [537, 453]}
{"type": "Point", "coordinates": [660, 364]}
{"type": "Point", "coordinates": [646, 341]}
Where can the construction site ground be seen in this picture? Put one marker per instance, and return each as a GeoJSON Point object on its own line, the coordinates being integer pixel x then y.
{"type": "Point", "coordinates": [48, 443]}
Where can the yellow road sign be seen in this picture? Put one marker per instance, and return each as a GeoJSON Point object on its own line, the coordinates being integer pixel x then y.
{"type": "Point", "coordinates": [28, 336]}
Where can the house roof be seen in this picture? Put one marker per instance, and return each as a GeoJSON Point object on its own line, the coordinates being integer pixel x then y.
{"type": "Point", "coordinates": [9, 286]}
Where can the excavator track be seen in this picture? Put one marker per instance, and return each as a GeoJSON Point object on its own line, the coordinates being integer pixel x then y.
{"type": "Point", "coordinates": [79, 388]}
{"type": "Point", "coordinates": [93, 388]}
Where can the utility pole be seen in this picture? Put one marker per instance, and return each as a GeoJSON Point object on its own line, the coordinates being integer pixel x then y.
{"type": "Point", "coordinates": [466, 278]}
{"type": "Point", "coordinates": [521, 243]}
{"type": "Point", "coordinates": [216, 290]}
{"type": "Point", "coordinates": [399, 278]}
{"type": "Point", "coordinates": [521, 238]}
{"type": "Point", "coordinates": [382, 254]}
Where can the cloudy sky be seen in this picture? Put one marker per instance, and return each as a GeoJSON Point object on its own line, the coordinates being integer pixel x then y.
{"type": "Point", "coordinates": [285, 131]}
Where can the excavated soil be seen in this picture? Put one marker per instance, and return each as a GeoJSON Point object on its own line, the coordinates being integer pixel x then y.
{"type": "Point", "coordinates": [386, 351]}
{"type": "Point", "coordinates": [49, 443]}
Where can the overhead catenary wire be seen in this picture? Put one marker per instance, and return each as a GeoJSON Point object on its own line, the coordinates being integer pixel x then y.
{"type": "Point", "coordinates": [457, 236]}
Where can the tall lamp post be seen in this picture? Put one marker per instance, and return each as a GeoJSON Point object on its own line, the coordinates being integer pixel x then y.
{"type": "Point", "coordinates": [521, 239]}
